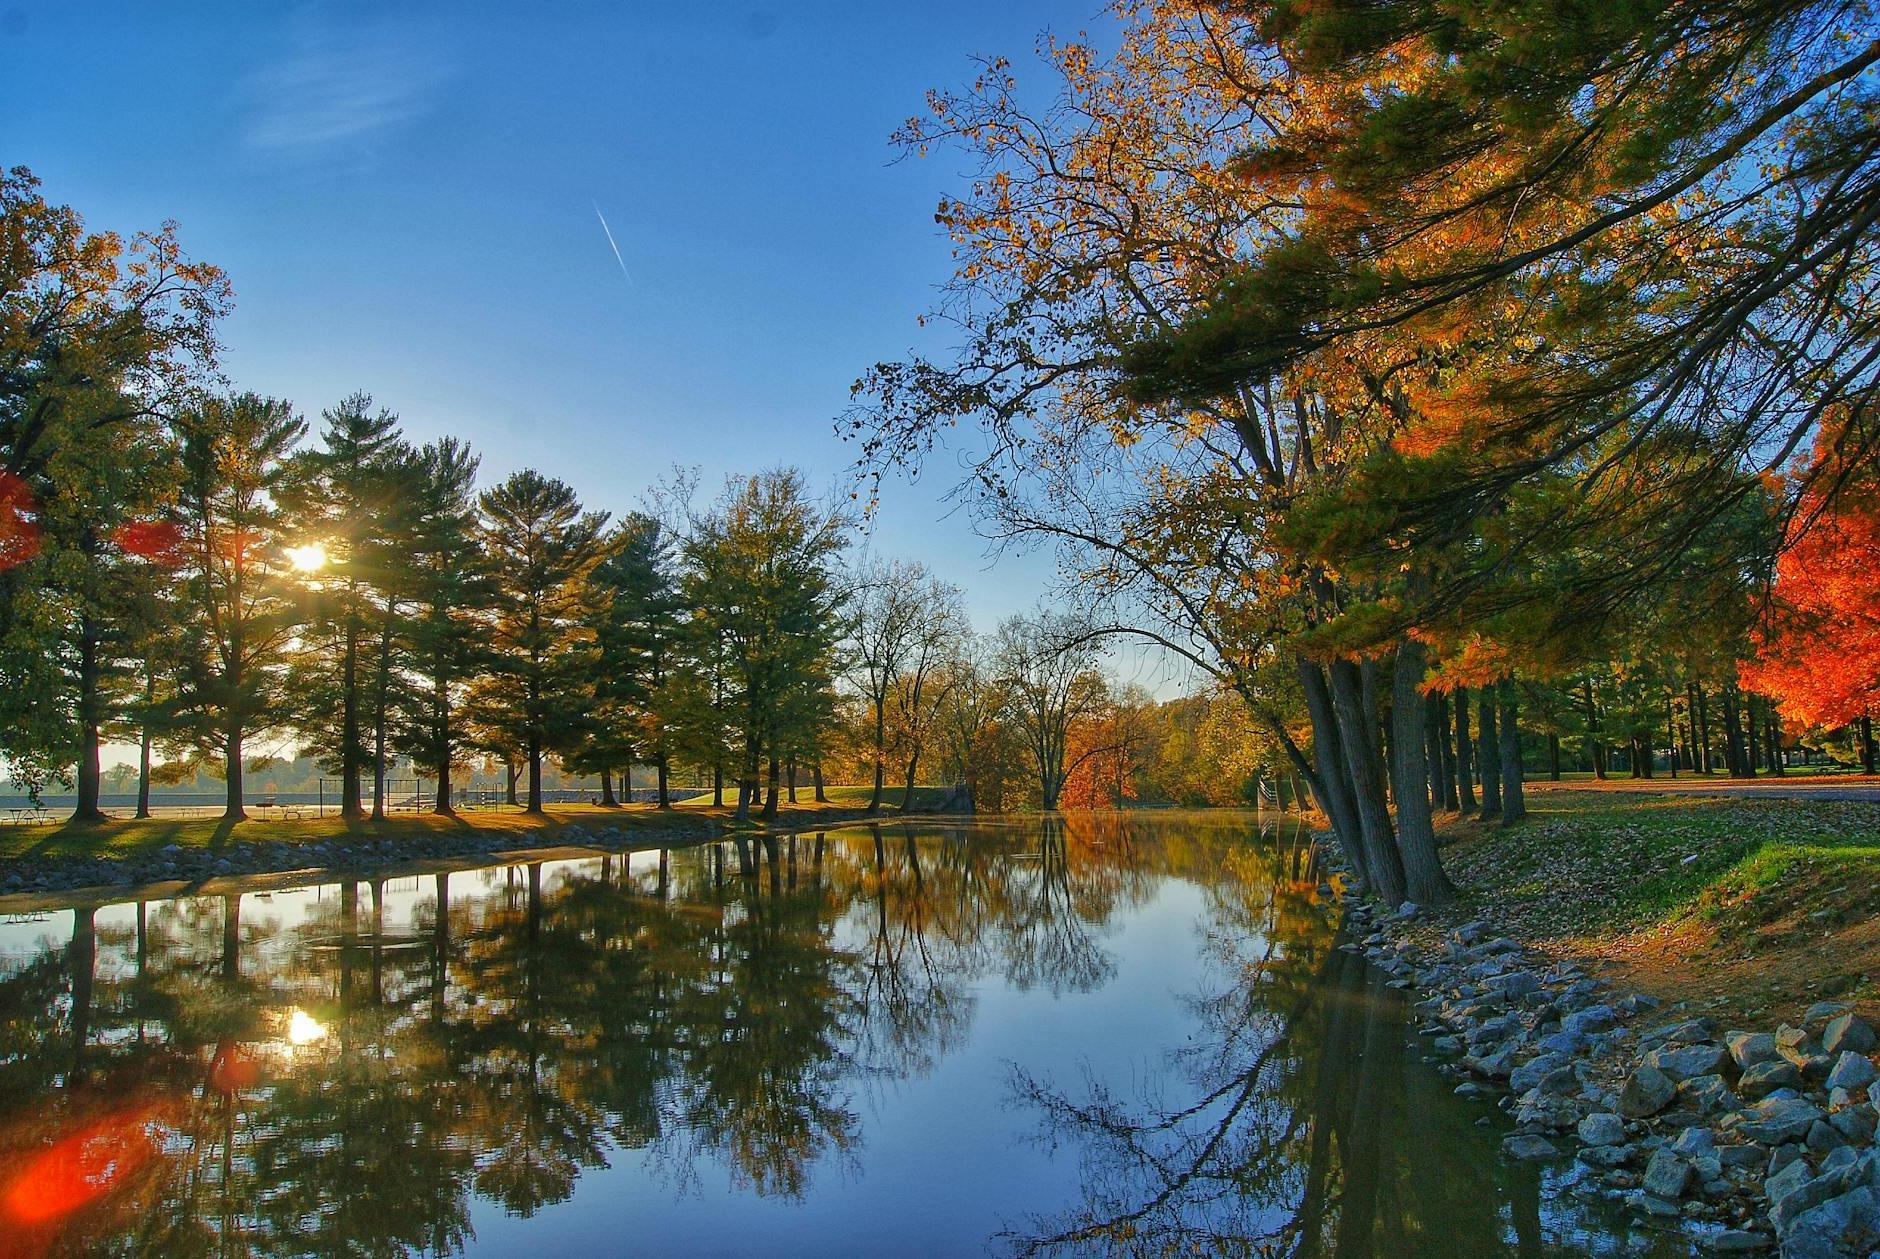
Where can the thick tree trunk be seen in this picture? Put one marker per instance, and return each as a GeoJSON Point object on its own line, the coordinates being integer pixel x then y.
{"type": "Point", "coordinates": [143, 773]}
{"type": "Point", "coordinates": [607, 791]}
{"type": "Point", "coordinates": [771, 794]}
{"type": "Point", "coordinates": [789, 773]}
{"type": "Point", "coordinates": [350, 797]}
{"type": "Point", "coordinates": [1424, 880]}
{"type": "Point", "coordinates": [1357, 730]}
{"type": "Point", "coordinates": [1553, 755]}
{"type": "Point", "coordinates": [535, 774]}
{"type": "Point", "coordinates": [718, 786]}
{"type": "Point", "coordinates": [1333, 780]}
{"type": "Point", "coordinates": [440, 742]}
{"type": "Point", "coordinates": [1513, 799]}
{"type": "Point", "coordinates": [1465, 758]}
{"type": "Point", "coordinates": [1489, 758]}
{"type": "Point", "coordinates": [816, 778]}
{"type": "Point", "coordinates": [233, 811]}
{"type": "Point", "coordinates": [511, 773]}
{"type": "Point", "coordinates": [747, 780]}
{"type": "Point", "coordinates": [665, 798]}
{"type": "Point", "coordinates": [1867, 749]}
{"type": "Point", "coordinates": [90, 718]}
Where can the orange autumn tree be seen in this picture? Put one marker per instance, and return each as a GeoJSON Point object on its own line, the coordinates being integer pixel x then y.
{"type": "Point", "coordinates": [1818, 649]}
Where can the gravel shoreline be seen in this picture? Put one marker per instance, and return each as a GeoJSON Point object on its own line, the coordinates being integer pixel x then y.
{"type": "Point", "coordinates": [1745, 1140]}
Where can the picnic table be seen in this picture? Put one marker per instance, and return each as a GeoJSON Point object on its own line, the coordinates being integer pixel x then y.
{"type": "Point", "coordinates": [26, 814]}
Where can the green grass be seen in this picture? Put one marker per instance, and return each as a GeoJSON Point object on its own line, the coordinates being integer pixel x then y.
{"type": "Point", "coordinates": [124, 838]}
{"type": "Point", "coordinates": [1597, 862]}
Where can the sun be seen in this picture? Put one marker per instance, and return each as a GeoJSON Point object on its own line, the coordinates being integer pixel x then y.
{"type": "Point", "coordinates": [304, 1029]}
{"type": "Point", "coordinates": [310, 558]}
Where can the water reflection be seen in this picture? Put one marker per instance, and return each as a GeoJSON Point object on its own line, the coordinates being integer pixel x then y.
{"type": "Point", "coordinates": [399, 1067]}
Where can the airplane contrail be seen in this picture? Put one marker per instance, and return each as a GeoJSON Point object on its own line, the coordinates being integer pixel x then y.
{"type": "Point", "coordinates": [612, 245]}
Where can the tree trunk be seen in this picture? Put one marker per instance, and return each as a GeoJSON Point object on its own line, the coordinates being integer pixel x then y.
{"type": "Point", "coordinates": [535, 774]}
{"type": "Point", "coordinates": [907, 793]}
{"type": "Point", "coordinates": [881, 758]}
{"type": "Point", "coordinates": [90, 718]}
{"type": "Point", "coordinates": [1749, 727]}
{"type": "Point", "coordinates": [511, 772]}
{"type": "Point", "coordinates": [1772, 739]}
{"type": "Point", "coordinates": [1553, 755]}
{"type": "Point", "coordinates": [1867, 750]}
{"type": "Point", "coordinates": [790, 779]}
{"type": "Point", "coordinates": [718, 786]}
{"type": "Point", "coordinates": [1594, 746]}
{"type": "Point", "coordinates": [1465, 767]}
{"type": "Point", "coordinates": [1424, 880]}
{"type": "Point", "coordinates": [1357, 730]}
{"type": "Point", "coordinates": [607, 791]}
{"type": "Point", "coordinates": [747, 780]}
{"type": "Point", "coordinates": [232, 772]}
{"type": "Point", "coordinates": [816, 777]}
{"type": "Point", "coordinates": [1513, 799]}
{"type": "Point", "coordinates": [440, 742]}
{"type": "Point", "coordinates": [1334, 794]}
{"type": "Point", "coordinates": [350, 802]}
{"type": "Point", "coordinates": [1446, 744]}
{"type": "Point", "coordinates": [776, 781]}
{"type": "Point", "coordinates": [1705, 764]}
{"type": "Point", "coordinates": [665, 799]}
{"type": "Point", "coordinates": [1489, 758]}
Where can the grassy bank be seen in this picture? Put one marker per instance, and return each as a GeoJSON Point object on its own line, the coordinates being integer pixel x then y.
{"type": "Point", "coordinates": [124, 838]}
{"type": "Point", "coordinates": [1744, 906]}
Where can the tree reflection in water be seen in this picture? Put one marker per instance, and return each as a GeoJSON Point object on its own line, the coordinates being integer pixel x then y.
{"type": "Point", "coordinates": [1303, 1123]}
{"type": "Point", "coordinates": [350, 1070]}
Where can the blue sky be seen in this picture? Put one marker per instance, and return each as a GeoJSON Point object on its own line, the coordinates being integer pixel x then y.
{"type": "Point", "coordinates": [405, 199]}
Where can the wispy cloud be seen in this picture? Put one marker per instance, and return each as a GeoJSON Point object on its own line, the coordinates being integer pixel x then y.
{"type": "Point", "coordinates": [336, 92]}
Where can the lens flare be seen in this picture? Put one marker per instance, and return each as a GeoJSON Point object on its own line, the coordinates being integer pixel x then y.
{"type": "Point", "coordinates": [310, 558]}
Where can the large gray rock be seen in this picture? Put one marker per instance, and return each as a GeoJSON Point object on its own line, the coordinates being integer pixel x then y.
{"type": "Point", "coordinates": [1683, 1062]}
{"type": "Point", "coordinates": [1594, 1018]}
{"type": "Point", "coordinates": [1736, 1241]}
{"type": "Point", "coordinates": [1602, 1129]}
{"type": "Point", "coordinates": [1776, 1120]}
{"type": "Point", "coordinates": [1709, 1094]}
{"type": "Point", "coordinates": [1647, 1091]}
{"type": "Point", "coordinates": [1848, 1033]}
{"type": "Point", "coordinates": [1749, 1048]}
{"type": "Point", "coordinates": [1528, 1146]}
{"type": "Point", "coordinates": [1851, 1071]}
{"type": "Point", "coordinates": [1766, 1077]}
{"type": "Point", "coordinates": [1666, 1175]}
{"type": "Point", "coordinates": [1835, 1229]}
{"type": "Point", "coordinates": [1533, 1071]}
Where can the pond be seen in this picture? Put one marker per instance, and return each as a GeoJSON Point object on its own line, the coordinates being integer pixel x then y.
{"type": "Point", "coordinates": [1100, 1034]}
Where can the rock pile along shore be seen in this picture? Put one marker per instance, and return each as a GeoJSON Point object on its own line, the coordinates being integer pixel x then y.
{"type": "Point", "coordinates": [1745, 1139]}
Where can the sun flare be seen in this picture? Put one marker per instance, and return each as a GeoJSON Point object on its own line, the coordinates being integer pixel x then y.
{"type": "Point", "coordinates": [310, 558]}
{"type": "Point", "coordinates": [304, 1029]}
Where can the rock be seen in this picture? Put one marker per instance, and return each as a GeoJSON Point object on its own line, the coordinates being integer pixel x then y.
{"type": "Point", "coordinates": [1495, 1066]}
{"type": "Point", "coordinates": [1765, 1077]}
{"type": "Point", "coordinates": [1666, 1175]}
{"type": "Point", "coordinates": [1741, 1156]}
{"type": "Point", "coordinates": [1684, 1062]}
{"type": "Point", "coordinates": [1709, 1093]}
{"type": "Point", "coordinates": [1511, 984]}
{"type": "Point", "coordinates": [1851, 1071]}
{"type": "Point", "coordinates": [1819, 1015]}
{"type": "Point", "coordinates": [1533, 1071]}
{"type": "Point", "coordinates": [1822, 1137]}
{"type": "Point", "coordinates": [1655, 1206]}
{"type": "Point", "coordinates": [1776, 1120]}
{"type": "Point", "coordinates": [1527, 1146]}
{"type": "Point", "coordinates": [1736, 1241]}
{"type": "Point", "coordinates": [1594, 1018]}
{"type": "Point", "coordinates": [1856, 1123]}
{"type": "Point", "coordinates": [1847, 1225]}
{"type": "Point", "coordinates": [1567, 1043]}
{"type": "Point", "coordinates": [1694, 1141]}
{"type": "Point", "coordinates": [1602, 1129]}
{"type": "Point", "coordinates": [1791, 1177]}
{"type": "Point", "coordinates": [1647, 1091]}
{"type": "Point", "coordinates": [1607, 1156]}
{"type": "Point", "coordinates": [1749, 1048]}
{"type": "Point", "coordinates": [1848, 1033]}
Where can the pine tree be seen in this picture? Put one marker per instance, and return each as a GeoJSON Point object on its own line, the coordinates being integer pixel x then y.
{"type": "Point", "coordinates": [543, 549]}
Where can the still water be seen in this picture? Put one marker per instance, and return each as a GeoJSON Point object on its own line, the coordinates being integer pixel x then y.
{"type": "Point", "coordinates": [1109, 1034]}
